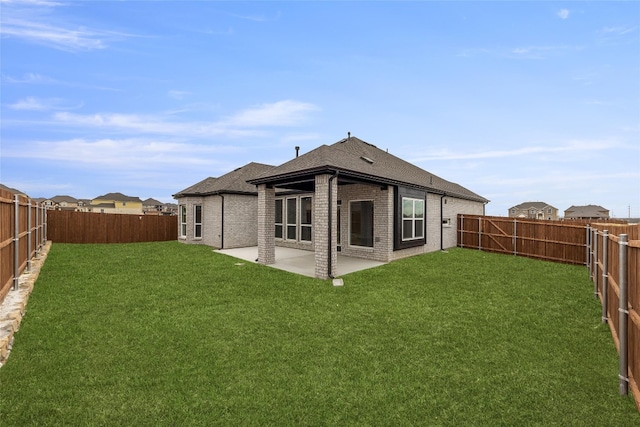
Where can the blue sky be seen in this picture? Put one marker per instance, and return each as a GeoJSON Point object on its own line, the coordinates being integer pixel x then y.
{"type": "Point", "coordinates": [517, 101]}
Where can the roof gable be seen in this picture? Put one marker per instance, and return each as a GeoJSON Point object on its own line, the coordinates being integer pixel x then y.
{"type": "Point", "coordinates": [232, 182]}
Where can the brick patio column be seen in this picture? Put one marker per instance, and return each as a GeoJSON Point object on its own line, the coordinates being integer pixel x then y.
{"type": "Point", "coordinates": [321, 226]}
{"type": "Point", "coordinates": [266, 224]}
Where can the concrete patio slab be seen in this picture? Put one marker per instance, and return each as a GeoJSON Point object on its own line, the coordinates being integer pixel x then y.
{"type": "Point", "coordinates": [300, 261]}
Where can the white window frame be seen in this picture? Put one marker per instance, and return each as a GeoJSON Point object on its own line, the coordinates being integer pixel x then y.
{"type": "Point", "coordinates": [183, 220]}
{"type": "Point", "coordinates": [286, 219]}
{"type": "Point", "coordinates": [281, 223]}
{"type": "Point", "coordinates": [413, 219]}
{"type": "Point", "coordinates": [197, 226]}
{"type": "Point", "coordinates": [303, 225]}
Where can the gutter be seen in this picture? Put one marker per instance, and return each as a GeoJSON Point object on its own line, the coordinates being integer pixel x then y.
{"type": "Point", "coordinates": [441, 224]}
{"type": "Point", "coordinates": [221, 223]}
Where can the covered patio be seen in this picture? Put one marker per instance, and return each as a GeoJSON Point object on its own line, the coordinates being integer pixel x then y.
{"type": "Point", "coordinates": [300, 261]}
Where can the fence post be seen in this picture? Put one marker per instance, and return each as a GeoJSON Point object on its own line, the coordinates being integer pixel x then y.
{"type": "Point", "coordinates": [622, 319]}
{"type": "Point", "coordinates": [479, 233]}
{"type": "Point", "coordinates": [37, 230]}
{"type": "Point", "coordinates": [462, 231]}
{"type": "Point", "coordinates": [16, 241]}
{"type": "Point", "coordinates": [588, 255]}
{"type": "Point", "coordinates": [594, 243]}
{"type": "Point", "coordinates": [515, 237]}
{"type": "Point", "coordinates": [44, 224]}
{"type": "Point", "coordinates": [29, 235]}
{"type": "Point", "coordinates": [605, 276]}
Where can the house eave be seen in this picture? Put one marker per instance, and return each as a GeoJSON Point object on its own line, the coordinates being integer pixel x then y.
{"type": "Point", "coordinates": [309, 174]}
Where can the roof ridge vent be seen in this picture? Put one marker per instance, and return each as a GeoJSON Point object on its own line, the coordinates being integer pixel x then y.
{"type": "Point", "coordinates": [367, 159]}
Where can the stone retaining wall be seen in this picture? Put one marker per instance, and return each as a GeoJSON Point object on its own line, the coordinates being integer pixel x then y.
{"type": "Point", "coordinates": [14, 306]}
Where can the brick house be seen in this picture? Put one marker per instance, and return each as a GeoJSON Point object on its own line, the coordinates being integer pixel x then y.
{"type": "Point", "coordinates": [534, 210]}
{"type": "Point", "coordinates": [348, 197]}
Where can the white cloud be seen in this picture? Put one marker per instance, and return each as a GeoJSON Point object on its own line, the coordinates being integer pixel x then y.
{"type": "Point", "coordinates": [573, 146]}
{"type": "Point", "coordinates": [563, 13]}
{"type": "Point", "coordinates": [128, 153]}
{"type": "Point", "coordinates": [38, 104]}
{"type": "Point", "coordinates": [178, 94]}
{"type": "Point", "coordinates": [25, 20]}
{"type": "Point", "coordinates": [281, 113]}
{"type": "Point", "coordinates": [519, 52]}
{"type": "Point", "coordinates": [244, 123]}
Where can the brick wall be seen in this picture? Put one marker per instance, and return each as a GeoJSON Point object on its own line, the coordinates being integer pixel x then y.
{"type": "Point", "coordinates": [240, 221]}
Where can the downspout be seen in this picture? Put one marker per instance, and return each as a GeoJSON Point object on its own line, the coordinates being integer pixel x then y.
{"type": "Point", "coordinates": [330, 245]}
{"type": "Point", "coordinates": [441, 224]}
{"type": "Point", "coordinates": [222, 223]}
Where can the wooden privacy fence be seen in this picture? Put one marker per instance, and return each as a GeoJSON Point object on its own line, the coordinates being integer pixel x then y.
{"type": "Point", "coordinates": [557, 241]}
{"type": "Point", "coordinates": [611, 251]}
{"type": "Point", "coordinates": [89, 227]}
{"type": "Point", "coordinates": [614, 267]}
{"type": "Point", "coordinates": [23, 234]}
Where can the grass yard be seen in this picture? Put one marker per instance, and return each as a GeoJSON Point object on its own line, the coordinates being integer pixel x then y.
{"type": "Point", "coordinates": [173, 334]}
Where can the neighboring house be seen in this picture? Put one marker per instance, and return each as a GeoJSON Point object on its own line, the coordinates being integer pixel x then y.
{"type": "Point", "coordinates": [62, 203]}
{"type": "Point", "coordinates": [586, 212]}
{"type": "Point", "coordinates": [116, 203]}
{"type": "Point", "coordinates": [534, 210]}
{"type": "Point", "coordinates": [156, 207]}
{"type": "Point", "coordinates": [349, 197]}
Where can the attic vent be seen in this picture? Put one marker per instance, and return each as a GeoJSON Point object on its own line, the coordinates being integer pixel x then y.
{"type": "Point", "coordinates": [367, 159]}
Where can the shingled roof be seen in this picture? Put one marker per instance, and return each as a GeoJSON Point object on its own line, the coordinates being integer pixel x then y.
{"type": "Point", "coordinates": [359, 160]}
{"type": "Point", "coordinates": [118, 197]}
{"type": "Point", "coordinates": [588, 211]}
{"type": "Point", "coordinates": [234, 182]}
{"type": "Point", "coordinates": [534, 205]}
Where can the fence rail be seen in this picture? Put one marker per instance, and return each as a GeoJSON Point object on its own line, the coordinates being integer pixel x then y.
{"type": "Point", "coordinates": [23, 233]}
{"type": "Point", "coordinates": [611, 252]}
{"type": "Point", "coordinates": [89, 227]}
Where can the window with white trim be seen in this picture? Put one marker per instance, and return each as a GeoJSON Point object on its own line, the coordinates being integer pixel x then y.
{"type": "Point", "coordinates": [412, 219]}
{"type": "Point", "coordinates": [183, 220]}
{"type": "Point", "coordinates": [197, 221]}
{"type": "Point", "coordinates": [279, 217]}
{"type": "Point", "coordinates": [292, 226]}
{"type": "Point", "coordinates": [305, 219]}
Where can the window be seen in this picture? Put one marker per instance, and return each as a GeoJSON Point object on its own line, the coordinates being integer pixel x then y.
{"type": "Point", "coordinates": [183, 220]}
{"type": "Point", "coordinates": [305, 219]}
{"type": "Point", "coordinates": [292, 229]}
{"type": "Point", "coordinates": [197, 221]}
{"type": "Point", "coordinates": [279, 219]}
{"type": "Point", "coordinates": [412, 219]}
{"type": "Point", "coordinates": [361, 223]}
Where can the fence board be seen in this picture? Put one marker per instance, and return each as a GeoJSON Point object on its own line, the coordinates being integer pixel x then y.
{"type": "Point", "coordinates": [89, 227]}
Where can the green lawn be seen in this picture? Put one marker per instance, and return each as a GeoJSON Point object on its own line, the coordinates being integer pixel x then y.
{"type": "Point", "coordinates": [173, 334]}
